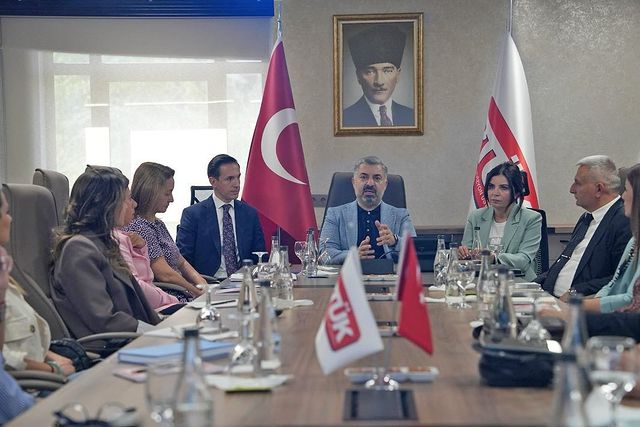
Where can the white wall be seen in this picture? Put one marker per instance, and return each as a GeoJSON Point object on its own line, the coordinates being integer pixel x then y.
{"type": "Point", "coordinates": [581, 58]}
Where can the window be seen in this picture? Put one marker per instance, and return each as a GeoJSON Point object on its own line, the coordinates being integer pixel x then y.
{"type": "Point", "coordinates": [123, 110]}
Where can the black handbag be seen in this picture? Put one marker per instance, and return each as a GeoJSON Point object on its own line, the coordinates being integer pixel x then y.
{"type": "Point", "coordinates": [71, 349]}
{"type": "Point", "coordinates": [515, 368]}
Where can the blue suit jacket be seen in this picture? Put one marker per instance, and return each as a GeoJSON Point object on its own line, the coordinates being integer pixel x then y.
{"type": "Point", "coordinates": [521, 239]}
{"type": "Point", "coordinates": [359, 114]}
{"type": "Point", "coordinates": [199, 235]}
{"type": "Point", "coordinates": [341, 228]}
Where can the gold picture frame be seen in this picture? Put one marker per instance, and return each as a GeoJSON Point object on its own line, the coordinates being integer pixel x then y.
{"type": "Point", "coordinates": [377, 61]}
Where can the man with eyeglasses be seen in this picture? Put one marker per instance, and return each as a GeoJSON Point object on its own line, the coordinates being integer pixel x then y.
{"type": "Point", "coordinates": [367, 222]}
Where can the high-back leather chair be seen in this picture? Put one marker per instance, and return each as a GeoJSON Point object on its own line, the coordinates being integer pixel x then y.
{"type": "Point", "coordinates": [30, 246]}
{"type": "Point", "coordinates": [542, 256]}
{"type": "Point", "coordinates": [58, 184]}
{"type": "Point", "coordinates": [341, 191]}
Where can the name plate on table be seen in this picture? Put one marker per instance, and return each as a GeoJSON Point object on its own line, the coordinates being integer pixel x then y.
{"type": "Point", "coordinates": [377, 266]}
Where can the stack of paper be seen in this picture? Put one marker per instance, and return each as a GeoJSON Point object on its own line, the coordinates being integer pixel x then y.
{"type": "Point", "coordinates": [166, 352]}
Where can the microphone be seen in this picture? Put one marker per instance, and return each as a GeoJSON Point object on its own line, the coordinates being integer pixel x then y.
{"type": "Point", "coordinates": [392, 251]}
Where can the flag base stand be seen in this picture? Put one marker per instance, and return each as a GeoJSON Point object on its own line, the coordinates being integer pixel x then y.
{"type": "Point", "coordinates": [377, 404]}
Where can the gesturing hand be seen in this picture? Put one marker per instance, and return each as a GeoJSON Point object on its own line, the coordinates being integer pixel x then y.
{"type": "Point", "coordinates": [364, 250]}
{"type": "Point", "coordinates": [386, 237]}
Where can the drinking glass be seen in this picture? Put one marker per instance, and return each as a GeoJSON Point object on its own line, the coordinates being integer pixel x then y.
{"type": "Point", "coordinates": [244, 354]}
{"type": "Point", "coordinates": [298, 248]}
{"type": "Point", "coordinates": [440, 267]}
{"type": "Point", "coordinates": [260, 255]}
{"type": "Point", "coordinates": [535, 333]}
{"type": "Point", "coordinates": [466, 272]}
{"type": "Point", "coordinates": [209, 317]}
{"type": "Point", "coordinates": [613, 363]}
{"type": "Point", "coordinates": [323, 258]}
{"type": "Point", "coordinates": [162, 381]}
{"type": "Point", "coordinates": [495, 247]}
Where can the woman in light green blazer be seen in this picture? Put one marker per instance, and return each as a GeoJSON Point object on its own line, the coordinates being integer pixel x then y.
{"type": "Point", "coordinates": [505, 218]}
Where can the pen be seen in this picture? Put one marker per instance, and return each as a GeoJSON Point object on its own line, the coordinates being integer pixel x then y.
{"type": "Point", "coordinates": [223, 302]}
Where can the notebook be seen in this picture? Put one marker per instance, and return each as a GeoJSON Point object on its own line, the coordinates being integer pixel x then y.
{"type": "Point", "coordinates": [166, 352]}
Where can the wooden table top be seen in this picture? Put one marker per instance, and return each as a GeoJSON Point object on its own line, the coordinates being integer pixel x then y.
{"type": "Point", "coordinates": [456, 397]}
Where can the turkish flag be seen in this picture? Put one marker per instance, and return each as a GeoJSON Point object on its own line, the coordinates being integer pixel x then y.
{"type": "Point", "coordinates": [276, 181]}
{"type": "Point", "coordinates": [508, 132]}
{"type": "Point", "coordinates": [348, 330]}
{"type": "Point", "coordinates": [413, 323]}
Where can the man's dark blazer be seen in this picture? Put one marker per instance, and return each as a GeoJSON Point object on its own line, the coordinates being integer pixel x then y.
{"type": "Point", "coordinates": [621, 324]}
{"type": "Point", "coordinates": [199, 235]}
{"type": "Point", "coordinates": [602, 255]}
{"type": "Point", "coordinates": [359, 114]}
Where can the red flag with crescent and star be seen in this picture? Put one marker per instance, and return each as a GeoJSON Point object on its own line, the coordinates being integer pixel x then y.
{"type": "Point", "coordinates": [508, 131]}
{"type": "Point", "coordinates": [276, 181]}
{"type": "Point", "coordinates": [413, 320]}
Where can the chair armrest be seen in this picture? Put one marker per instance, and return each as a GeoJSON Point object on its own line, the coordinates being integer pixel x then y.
{"type": "Point", "coordinates": [170, 286]}
{"type": "Point", "coordinates": [210, 279]}
{"type": "Point", "coordinates": [38, 385]}
{"type": "Point", "coordinates": [31, 374]}
{"type": "Point", "coordinates": [107, 336]}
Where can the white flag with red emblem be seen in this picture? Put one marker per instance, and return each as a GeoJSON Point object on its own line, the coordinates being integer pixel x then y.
{"type": "Point", "coordinates": [508, 132]}
{"type": "Point", "coordinates": [348, 331]}
{"type": "Point", "coordinates": [276, 181]}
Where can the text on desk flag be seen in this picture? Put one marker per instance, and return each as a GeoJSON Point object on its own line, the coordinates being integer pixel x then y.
{"type": "Point", "coordinates": [508, 133]}
{"type": "Point", "coordinates": [276, 182]}
{"type": "Point", "coordinates": [348, 330]}
{"type": "Point", "coordinates": [413, 322]}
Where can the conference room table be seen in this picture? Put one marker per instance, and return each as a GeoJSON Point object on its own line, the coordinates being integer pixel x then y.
{"type": "Point", "coordinates": [456, 397]}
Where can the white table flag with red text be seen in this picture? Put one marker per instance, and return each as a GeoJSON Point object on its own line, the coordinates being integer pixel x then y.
{"type": "Point", "coordinates": [508, 132]}
{"type": "Point", "coordinates": [348, 331]}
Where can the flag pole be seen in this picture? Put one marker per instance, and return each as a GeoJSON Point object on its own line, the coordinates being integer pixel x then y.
{"type": "Point", "coordinates": [279, 19]}
{"type": "Point", "coordinates": [510, 19]}
{"type": "Point", "coordinates": [381, 380]}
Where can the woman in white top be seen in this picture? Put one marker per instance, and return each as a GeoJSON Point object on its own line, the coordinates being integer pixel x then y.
{"type": "Point", "coordinates": [27, 335]}
{"type": "Point", "coordinates": [518, 229]}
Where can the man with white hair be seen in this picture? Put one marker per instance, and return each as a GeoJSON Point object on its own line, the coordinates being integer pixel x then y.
{"type": "Point", "coordinates": [589, 260]}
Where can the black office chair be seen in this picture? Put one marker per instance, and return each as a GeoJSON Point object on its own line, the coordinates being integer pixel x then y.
{"type": "Point", "coordinates": [542, 256]}
{"type": "Point", "coordinates": [341, 191]}
{"type": "Point", "coordinates": [199, 193]}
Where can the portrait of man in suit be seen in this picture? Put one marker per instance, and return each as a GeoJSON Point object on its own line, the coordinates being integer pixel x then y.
{"type": "Point", "coordinates": [377, 55]}
{"type": "Point", "coordinates": [378, 74]}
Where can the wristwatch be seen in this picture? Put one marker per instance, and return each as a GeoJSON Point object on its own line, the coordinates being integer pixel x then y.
{"type": "Point", "coordinates": [396, 238]}
{"type": "Point", "coordinates": [57, 369]}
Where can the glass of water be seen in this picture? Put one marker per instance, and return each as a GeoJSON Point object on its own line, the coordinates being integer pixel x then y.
{"type": "Point", "coordinates": [613, 363]}
{"type": "Point", "coordinates": [162, 381]}
{"type": "Point", "coordinates": [495, 247]}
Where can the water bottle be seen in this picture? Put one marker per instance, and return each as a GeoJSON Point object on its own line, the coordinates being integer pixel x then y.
{"type": "Point", "coordinates": [503, 321]}
{"type": "Point", "coordinates": [440, 262]}
{"type": "Point", "coordinates": [310, 260]}
{"type": "Point", "coordinates": [284, 282]}
{"type": "Point", "coordinates": [486, 287]}
{"type": "Point", "coordinates": [451, 291]}
{"type": "Point", "coordinates": [267, 339]}
{"type": "Point", "coordinates": [248, 298]}
{"type": "Point", "coordinates": [193, 404]}
{"type": "Point", "coordinates": [568, 408]}
{"type": "Point", "coordinates": [575, 337]}
{"type": "Point", "coordinates": [476, 244]}
{"type": "Point", "coordinates": [274, 256]}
